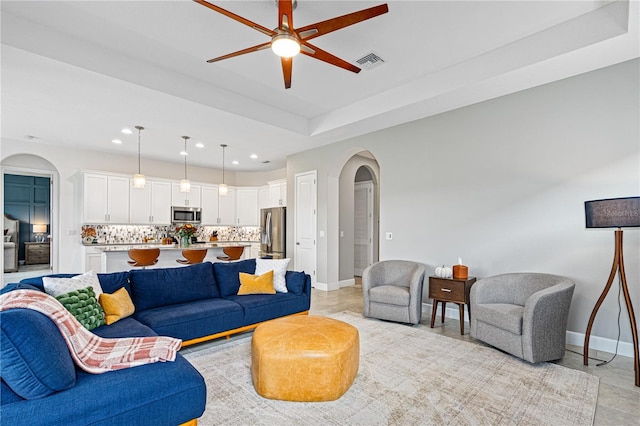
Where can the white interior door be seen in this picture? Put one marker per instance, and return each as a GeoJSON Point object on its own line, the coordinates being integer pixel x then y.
{"type": "Point", "coordinates": [305, 224]}
{"type": "Point", "coordinates": [363, 227]}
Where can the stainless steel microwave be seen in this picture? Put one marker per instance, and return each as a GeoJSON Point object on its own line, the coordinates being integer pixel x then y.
{"type": "Point", "coordinates": [186, 214]}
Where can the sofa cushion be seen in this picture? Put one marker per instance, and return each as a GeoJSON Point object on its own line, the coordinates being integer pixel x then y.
{"type": "Point", "coordinates": [256, 284]}
{"type": "Point", "coordinates": [228, 275]}
{"type": "Point", "coordinates": [262, 307]}
{"type": "Point", "coordinates": [58, 286]}
{"type": "Point", "coordinates": [295, 281]}
{"type": "Point", "coordinates": [279, 268]}
{"type": "Point", "coordinates": [390, 294]}
{"type": "Point", "coordinates": [18, 286]}
{"type": "Point", "coordinates": [192, 320]}
{"type": "Point", "coordinates": [116, 306]}
{"type": "Point", "coordinates": [84, 306]}
{"type": "Point", "coordinates": [127, 327]}
{"type": "Point", "coordinates": [109, 282]}
{"type": "Point", "coordinates": [502, 315]}
{"type": "Point", "coordinates": [34, 357]}
{"type": "Point", "coordinates": [152, 288]}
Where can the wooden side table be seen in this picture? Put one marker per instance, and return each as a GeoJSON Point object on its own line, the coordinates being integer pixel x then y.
{"type": "Point", "coordinates": [450, 290]}
{"type": "Point", "coordinates": [36, 253]}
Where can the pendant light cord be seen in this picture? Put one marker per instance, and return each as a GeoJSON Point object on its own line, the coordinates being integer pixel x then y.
{"type": "Point", "coordinates": [185, 156]}
{"type": "Point", "coordinates": [140, 128]}
{"type": "Point", "coordinates": [223, 149]}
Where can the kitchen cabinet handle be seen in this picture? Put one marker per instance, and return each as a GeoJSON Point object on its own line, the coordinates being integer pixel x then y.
{"type": "Point", "coordinates": [448, 290]}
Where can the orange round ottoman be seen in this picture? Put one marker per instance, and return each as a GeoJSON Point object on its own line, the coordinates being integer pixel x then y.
{"type": "Point", "coordinates": [304, 358]}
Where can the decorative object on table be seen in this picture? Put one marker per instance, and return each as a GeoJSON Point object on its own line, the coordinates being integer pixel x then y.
{"type": "Point", "coordinates": [184, 234]}
{"type": "Point", "coordinates": [443, 272]}
{"type": "Point", "coordinates": [614, 213]}
{"type": "Point", "coordinates": [39, 231]}
{"type": "Point", "coordinates": [139, 181]}
{"type": "Point", "coordinates": [460, 271]}
{"type": "Point", "coordinates": [222, 188]}
{"type": "Point", "coordinates": [185, 185]}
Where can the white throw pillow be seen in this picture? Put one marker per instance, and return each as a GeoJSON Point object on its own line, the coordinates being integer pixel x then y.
{"type": "Point", "coordinates": [279, 268]}
{"type": "Point", "coordinates": [58, 286]}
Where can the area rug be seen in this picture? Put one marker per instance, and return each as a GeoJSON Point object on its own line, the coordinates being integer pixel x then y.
{"type": "Point", "coordinates": [407, 376]}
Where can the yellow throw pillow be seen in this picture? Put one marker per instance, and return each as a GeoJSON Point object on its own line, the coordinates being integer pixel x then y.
{"type": "Point", "coordinates": [256, 284]}
{"type": "Point", "coordinates": [116, 306]}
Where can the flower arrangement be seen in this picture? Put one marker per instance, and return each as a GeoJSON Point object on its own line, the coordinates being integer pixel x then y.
{"type": "Point", "coordinates": [187, 230]}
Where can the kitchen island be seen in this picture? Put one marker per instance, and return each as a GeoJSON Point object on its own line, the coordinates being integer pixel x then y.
{"type": "Point", "coordinates": [115, 258]}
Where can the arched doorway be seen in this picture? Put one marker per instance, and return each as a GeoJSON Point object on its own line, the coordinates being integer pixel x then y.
{"type": "Point", "coordinates": [358, 216]}
{"type": "Point", "coordinates": [31, 171]}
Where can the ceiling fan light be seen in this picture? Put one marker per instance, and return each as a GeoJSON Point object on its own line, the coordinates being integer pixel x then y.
{"type": "Point", "coordinates": [139, 181]}
{"type": "Point", "coordinates": [285, 45]}
{"type": "Point", "coordinates": [185, 185]}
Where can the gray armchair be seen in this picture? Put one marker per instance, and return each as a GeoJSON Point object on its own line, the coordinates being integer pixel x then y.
{"type": "Point", "coordinates": [392, 290]}
{"type": "Point", "coordinates": [524, 314]}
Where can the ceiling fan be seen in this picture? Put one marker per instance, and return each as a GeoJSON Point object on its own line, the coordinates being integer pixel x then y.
{"type": "Point", "coordinates": [287, 41]}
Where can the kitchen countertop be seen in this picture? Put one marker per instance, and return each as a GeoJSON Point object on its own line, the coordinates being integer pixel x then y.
{"type": "Point", "coordinates": [127, 247]}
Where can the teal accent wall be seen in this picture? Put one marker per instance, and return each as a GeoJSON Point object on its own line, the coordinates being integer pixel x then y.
{"type": "Point", "coordinates": [26, 198]}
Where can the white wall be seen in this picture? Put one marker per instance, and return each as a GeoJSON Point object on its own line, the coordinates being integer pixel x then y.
{"type": "Point", "coordinates": [69, 163]}
{"type": "Point", "coordinates": [502, 184]}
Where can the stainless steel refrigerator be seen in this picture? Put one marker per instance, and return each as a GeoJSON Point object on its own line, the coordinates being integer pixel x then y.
{"type": "Point", "coordinates": [273, 223]}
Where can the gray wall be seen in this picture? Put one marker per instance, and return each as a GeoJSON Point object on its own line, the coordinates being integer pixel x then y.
{"type": "Point", "coordinates": [502, 184]}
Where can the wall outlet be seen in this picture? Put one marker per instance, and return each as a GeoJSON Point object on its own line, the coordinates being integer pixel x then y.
{"type": "Point", "coordinates": [341, 234]}
{"type": "Point", "coordinates": [321, 234]}
{"type": "Point", "coordinates": [72, 232]}
{"type": "Point", "coordinates": [389, 235]}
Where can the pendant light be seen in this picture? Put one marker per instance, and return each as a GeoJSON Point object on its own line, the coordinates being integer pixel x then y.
{"type": "Point", "coordinates": [222, 188]}
{"type": "Point", "coordinates": [139, 180]}
{"type": "Point", "coordinates": [185, 185]}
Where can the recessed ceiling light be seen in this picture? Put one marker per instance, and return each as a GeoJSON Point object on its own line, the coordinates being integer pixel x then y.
{"type": "Point", "coordinates": [127, 131]}
{"type": "Point", "coordinates": [184, 153]}
{"type": "Point", "coordinates": [199, 145]}
{"type": "Point", "coordinates": [117, 141]}
{"type": "Point", "coordinates": [236, 162]}
{"type": "Point", "coordinates": [254, 156]}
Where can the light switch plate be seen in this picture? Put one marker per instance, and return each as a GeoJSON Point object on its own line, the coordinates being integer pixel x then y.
{"type": "Point", "coordinates": [389, 235]}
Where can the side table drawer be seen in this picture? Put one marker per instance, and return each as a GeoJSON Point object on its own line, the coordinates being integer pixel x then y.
{"type": "Point", "coordinates": [452, 291]}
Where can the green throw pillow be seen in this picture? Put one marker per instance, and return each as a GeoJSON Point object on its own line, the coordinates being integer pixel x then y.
{"type": "Point", "coordinates": [84, 306]}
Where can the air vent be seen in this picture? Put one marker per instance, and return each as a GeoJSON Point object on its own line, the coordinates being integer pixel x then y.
{"type": "Point", "coordinates": [370, 61]}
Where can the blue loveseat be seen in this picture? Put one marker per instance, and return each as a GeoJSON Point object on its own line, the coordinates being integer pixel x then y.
{"type": "Point", "coordinates": [41, 385]}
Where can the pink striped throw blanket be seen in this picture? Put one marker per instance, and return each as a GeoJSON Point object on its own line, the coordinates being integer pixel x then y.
{"type": "Point", "coordinates": [92, 353]}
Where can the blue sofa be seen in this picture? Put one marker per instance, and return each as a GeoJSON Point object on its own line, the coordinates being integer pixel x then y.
{"type": "Point", "coordinates": [41, 385]}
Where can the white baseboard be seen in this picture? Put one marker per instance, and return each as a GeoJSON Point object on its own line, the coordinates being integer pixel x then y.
{"type": "Point", "coordinates": [573, 338]}
{"type": "Point", "coordinates": [326, 287]}
{"type": "Point", "coordinates": [334, 286]}
{"type": "Point", "coordinates": [347, 283]}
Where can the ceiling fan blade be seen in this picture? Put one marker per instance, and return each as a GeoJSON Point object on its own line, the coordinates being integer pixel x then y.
{"type": "Point", "coordinates": [242, 52]}
{"type": "Point", "coordinates": [287, 64]}
{"type": "Point", "coordinates": [235, 17]}
{"type": "Point", "coordinates": [285, 14]}
{"type": "Point", "coordinates": [314, 52]}
{"type": "Point", "coordinates": [320, 28]}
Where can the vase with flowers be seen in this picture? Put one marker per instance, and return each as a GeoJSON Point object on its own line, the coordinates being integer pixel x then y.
{"type": "Point", "coordinates": [185, 232]}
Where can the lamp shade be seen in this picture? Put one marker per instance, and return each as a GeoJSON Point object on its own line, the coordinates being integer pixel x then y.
{"type": "Point", "coordinates": [613, 213]}
{"type": "Point", "coordinates": [39, 229]}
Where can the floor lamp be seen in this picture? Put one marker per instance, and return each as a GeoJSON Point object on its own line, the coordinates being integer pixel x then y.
{"type": "Point", "coordinates": [614, 213]}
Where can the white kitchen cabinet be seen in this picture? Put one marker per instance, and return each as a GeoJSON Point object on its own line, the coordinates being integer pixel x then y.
{"type": "Point", "coordinates": [264, 198]}
{"type": "Point", "coordinates": [247, 207]}
{"type": "Point", "coordinates": [186, 199]}
{"type": "Point", "coordinates": [92, 259]}
{"type": "Point", "coordinates": [255, 250]}
{"type": "Point", "coordinates": [227, 208]}
{"type": "Point", "coordinates": [151, 204]}
{"type": "Point", "coordinates": [105, 198]}
{"type": "Point", "coordinates": [209, 204]}
{"type": "Point", "coordinates": [278, 193]}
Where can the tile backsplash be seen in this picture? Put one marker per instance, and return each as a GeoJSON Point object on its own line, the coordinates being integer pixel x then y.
{"type": "Point", "coordinates": [131, 234]}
